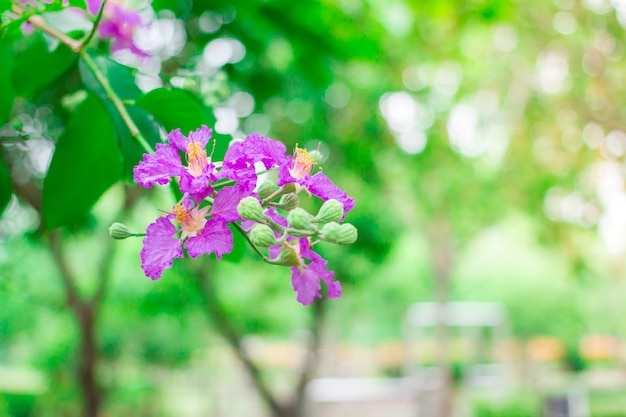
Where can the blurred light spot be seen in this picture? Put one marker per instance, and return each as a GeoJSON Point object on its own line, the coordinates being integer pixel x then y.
{"type": "Point", "coordinates": [279, 53]}
{"type": "Point", "coordinates": [274, 107]}
{"type": "Point", "coordinates": [552, 70]}
{"type": "Point", "coordinates": [447, 79]}
{"type": "Point", "coordinates": [257, 123]}
{"type": "Point", "coordinates": [615, 143]}
{"type": "Point", "coordinates": [593, 135]}
{"type": "Point", "coordinates": [299, 111]}
{"type": "Point", "coordinates": [162, 38]}
{"type": "Point", "coordinates": [17, 219]}
{"type": "Point", "coordinates": [414, 78]}
{"type": "Point", "coordinates": [318, 146]}
{"type": "Point", "coordinates": [242, 103]}
{"type": "Point", "coordinates": [337, 95]}
{"type": "Point", "coordinates": [412, 142]}
{"type": "Point", "coordinates": [598, 6]}
{"type": "Point", "coordinates": [612, 225]}
{"type": "Point", "coordinates": [226, 120]}
{"type": "Point", "coordinates": [505, 38]}
{"type": "Point", "coordinates": [148, 82]}
{"type": "Point", "coordinates": [222, 51]}
{"type": "Point", "coordinates": [564, 23]}
{"type": "Point", "coordinates": [571, 139]}
{"type": "Point", "coordinates": [397, 18]}
{"type": "Point", "coordinates": [210, 22]}
{"type": "Point", "coordinates": [593, 63]}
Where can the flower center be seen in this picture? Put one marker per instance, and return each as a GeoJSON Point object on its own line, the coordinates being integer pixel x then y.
{"type": "Point", "coordinates": [196, 159]}
{"type": "Point", "coordinates": [191, 221]}
{"type": "Point", "coordinates": [301, 163]}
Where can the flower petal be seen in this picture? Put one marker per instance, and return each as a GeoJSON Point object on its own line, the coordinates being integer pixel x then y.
{"type": "Point", "coordinates": [158, 167]}
{"type": "Point", "coordinates": [226, 201]}
{"type": "Point", "coordinates": [216, 238]}
{"type": "Point", "coordinates": [159, 248]}
{"type": "Point", "coordinates": [321, 186]}
{"type": "Point", "coordinates": [306, 284]}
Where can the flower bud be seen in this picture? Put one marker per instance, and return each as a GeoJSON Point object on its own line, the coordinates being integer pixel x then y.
{"type": "Point", "coordinates": [299, 218]}
{"type": "Point", "coordinates": [347, 234]}
{"type": "Point", "coordinates": [262, 236]}
{"type": "Point", "coordinates": [330, 232]}
{"type": "Point", "coordinates": [267, 189]}
{"type": "Point", "coordinates": [289, 201]}
{"type": "Point", "coordinates": [331, 211]}
{"type": "Point", "coordinates": [119, 231]}
{"type": "Point", "coordinates": [287, 257]}
{"type": "Point", "coordinates": [249, 208]}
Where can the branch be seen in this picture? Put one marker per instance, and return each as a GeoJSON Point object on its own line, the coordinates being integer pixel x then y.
{"type": "Point", "coordinates": [216, 313]}
{"type": "Point", "coordinates": [56, 248]}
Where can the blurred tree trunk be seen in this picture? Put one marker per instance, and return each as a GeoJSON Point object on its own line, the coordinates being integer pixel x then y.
{"type": "Point", "coordinates": [294, 407]}
{"type": "Point", "coordinates": [442, 252]}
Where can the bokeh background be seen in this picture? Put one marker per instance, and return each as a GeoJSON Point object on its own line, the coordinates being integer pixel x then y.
{"type": "Point", "coordinates": [484, 144]}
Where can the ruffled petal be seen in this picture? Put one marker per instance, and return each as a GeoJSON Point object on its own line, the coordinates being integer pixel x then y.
{"type": "Point", "coordinates": [306, 284]}
{"type": "Point", "coordinates": [202, 136]}
{"type": "Point", "coordinates": [178, 140]}
{"type": "Point", "coordinates": [321, 186]}
{"type": "Point", "coordinates": [158, 167]}
{"type": "Point", "coordinates": [159, 248]}
{"type": "Point", "coordinates": [268, 151]}
{"type": "Point", "coordinates": [216, 238]}
{"type": "Point", "coordinates": [226, 202]}
{"type": "Point", "coordinates": [197, 187]}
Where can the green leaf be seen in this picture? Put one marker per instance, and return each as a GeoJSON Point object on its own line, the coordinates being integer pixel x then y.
{"type": "Point", "coordinates": [36, 67]}
{"type": "Point", "coordinates": [5, 187]}
{"type": "Point", "coordinates": [123, 84]}
{"type": "Point", "coordinates": [86, 162]}
{"type": "Point", "coordinates": [174, 109]}
{"type": "Point", "coordinates": [8, 93]}
{"type": "Point", "coordinates": [120, 77]}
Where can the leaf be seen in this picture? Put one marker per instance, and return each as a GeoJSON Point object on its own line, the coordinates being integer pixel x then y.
{"type": "Point", "coordinates": [8, 93]}
{"type": "Point", "coordinates": [174, 109]}
{"type": "Point", "coordinates": [36, 67]}
{"type": "Point", "coordinates": [86, 162]}
{"type": "Point", "coordinates": [120, 78]}
{"type": "Point", "coordinates": [123, 84]}
{"type": "Point", "coordinates": [5, 187]}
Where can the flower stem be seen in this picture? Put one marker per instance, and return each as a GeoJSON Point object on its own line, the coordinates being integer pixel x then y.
{"type": "Point", "coordinates": [38, 22]}
{"type": "Point", "coordinates": [95, 25]}
{"type": "Point", "coordinates": [117, 102]}
{"type": "Point", "coordinates": [245, 235]}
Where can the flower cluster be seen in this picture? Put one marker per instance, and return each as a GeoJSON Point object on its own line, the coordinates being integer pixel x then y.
{"type": "Point", "coordinates": [118, 24]}
{"type": "Point", "coordinates": [218, 193]}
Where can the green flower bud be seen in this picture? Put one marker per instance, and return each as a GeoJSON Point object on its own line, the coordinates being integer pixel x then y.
{"type": "Point", "coordinates": [330, 232]}
{"type": "Point", "coordinates": [267, 189]}
{"type": "Point", "coordinates": [347, 234]}
{"type": "Point", "coordinates": [287, 257]}
{"type": "Point", "coordinates": [299, 218]}
{"type": "Point", "coordinates": [262, 236]}
{"type": "Point", "coordinates": [289, 201]}
{"type": "Point", "coordinates": [249, 208]}
{"type": "Point", "coordinates": [331, 211]}
{"type": "Point", "coordinates": [119, 231]}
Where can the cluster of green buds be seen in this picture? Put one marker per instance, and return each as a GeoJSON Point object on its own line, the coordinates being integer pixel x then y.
{"type": "Point", "coordinates": [323, 226]}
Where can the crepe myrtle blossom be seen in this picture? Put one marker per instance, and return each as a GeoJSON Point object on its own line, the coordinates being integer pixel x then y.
{"type": "Point", "coordinates": [308, 269]}
{"type": "Point", "coordinates": [118, 24]}
{"type": "Point", "coordinates": [202, 231]}
{"type": "Point", "coordinates": [195, 177]}
{"type": "Point", "coordinates": [296, 169]}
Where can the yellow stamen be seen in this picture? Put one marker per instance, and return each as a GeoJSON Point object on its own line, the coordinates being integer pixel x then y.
{"type": "Point", "coordinates": [191, 221]}
{"type": "Point", "coordinates": [196, 158]}
{"type": "Point", "coordinates": [301, 163]}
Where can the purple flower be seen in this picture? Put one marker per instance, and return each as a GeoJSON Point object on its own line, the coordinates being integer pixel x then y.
{"type": "Point", "coordinates": [305, 277]}
{"type": "Point", "coordinates": [117, 24]}
{"type": "Point", "coordinates": [198, 235]}
{"type": "Point", "coordinates": [291, 170]}
{"type": "Point", "coordinates": [160, 166]}
{"type": "Point", "coordinates": [298, 171]}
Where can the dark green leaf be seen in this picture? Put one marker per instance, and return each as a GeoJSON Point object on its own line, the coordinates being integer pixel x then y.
{"type": "Point", "coordinates": [8, 93]}
{"type": "Point", "coordinates": [174, 109]}
{"type": "Point", "coordinates": [119, 77]}
{"type": "Point", "coordinates": [5, 187]}
{"type": "Point", "coordinates": [36, 67]}
{"type": "Point", "coordinates": [86, 162]}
